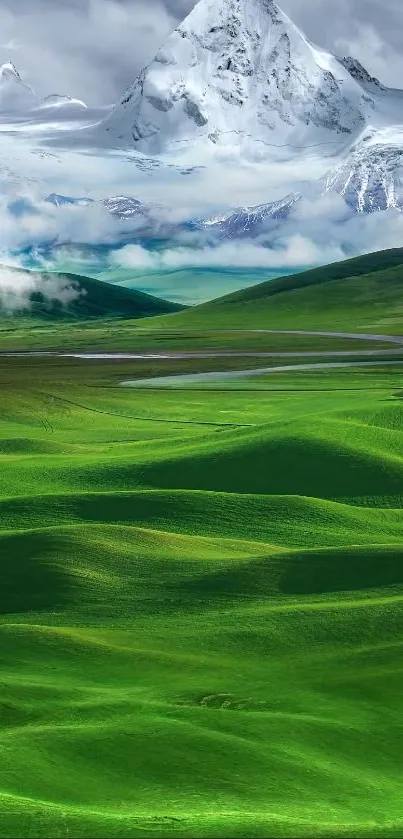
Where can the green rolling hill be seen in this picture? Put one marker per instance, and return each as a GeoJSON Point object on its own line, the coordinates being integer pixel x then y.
{"type": "Point", "coordinates": [361, 294]}
{"type": "Point", "coordinates": [202, 587]}
{"type": "Point", "coordinates": [201, 606]}
{"type": "Point", "coordinates": [86, 298]}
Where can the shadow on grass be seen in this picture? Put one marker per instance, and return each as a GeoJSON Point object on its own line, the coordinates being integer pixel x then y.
{"type": "Point", "coordinates": [30, 577]}
{"type": "Point", "coordinates": [321, 572]}
{"type": "Point", "coordinates": [346, 570]}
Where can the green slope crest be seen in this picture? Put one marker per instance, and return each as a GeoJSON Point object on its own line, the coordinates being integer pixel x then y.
{"type": "Point", "coordinates": [364, 294]}
{"type": "Point", "coordinates": [88, 298]}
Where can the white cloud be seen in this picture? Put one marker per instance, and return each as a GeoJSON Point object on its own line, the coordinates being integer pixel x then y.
{"type": "Point", "coordinates": [293, 252]}
{"type": "Point", "coordinates": [137, 257]}
{"type": "Point", "coordinates": [43, 222]}
{"type": "Point", "coordinates": [16, 288]}
{"type": "Point", "coordinates": [92, 49]}
{"type": "Point", "coordinates": [318, 233]}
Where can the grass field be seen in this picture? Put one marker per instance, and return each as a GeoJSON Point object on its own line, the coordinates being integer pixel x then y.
{"type": "Point", "coordinates": [201, 606]}
{"type": "Point", "coordinates": [366, 293]}
{"type": "Point", "coordinates": [119, 334]}
{"type": "Point", "coordinates": [362, 295]}
{"type": "Point", "coordinates": [202, 599]}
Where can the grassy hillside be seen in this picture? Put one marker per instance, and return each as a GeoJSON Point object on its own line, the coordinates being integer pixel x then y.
{"type": "Point", "coordinates": [89, 298]}
{"type": "Point", "coordinates": [202, 603]}
{"type": "Point", "coordinates": [362, 294]}
{"type": "Point", "coordinates": [359, 295]}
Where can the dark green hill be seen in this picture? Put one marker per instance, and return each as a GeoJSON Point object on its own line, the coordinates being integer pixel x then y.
{"type": "Point", "coordinates": [364, 294]}
{"type": "Point", "coordinates": [359, 266]}
{"type": "Point", "coordinates": [61, 296]}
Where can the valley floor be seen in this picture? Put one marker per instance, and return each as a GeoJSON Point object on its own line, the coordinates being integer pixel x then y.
{"type": "Point", "coordinates": [202, 603]}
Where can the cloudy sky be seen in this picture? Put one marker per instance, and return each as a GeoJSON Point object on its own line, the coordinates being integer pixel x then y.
{"type": "Point", "coordinates": [93, 49]}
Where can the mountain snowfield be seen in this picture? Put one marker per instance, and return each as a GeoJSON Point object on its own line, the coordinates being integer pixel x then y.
{"type": "Point", "coordinates": [370, 177]}
{"type": "Point", "coordinates": [240, 102]}
{"type": "Point", "coordinates": [238, 78]}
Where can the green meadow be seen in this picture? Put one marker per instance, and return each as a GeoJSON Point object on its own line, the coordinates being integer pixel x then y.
{"type": "Point", "coordinates": [201, 606]}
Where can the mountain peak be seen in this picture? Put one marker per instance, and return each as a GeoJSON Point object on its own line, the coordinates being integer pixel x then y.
{"type": "Point", "coordinates": [15, 95]}
{"type": "Point", "coordinates": [59, 100]}
{"type": "Point", "coordinates": [358, 72]}
{"type": "Point", "coordinates": [238, 73]}
{"type": "Point", "coordinates": [8, 70]}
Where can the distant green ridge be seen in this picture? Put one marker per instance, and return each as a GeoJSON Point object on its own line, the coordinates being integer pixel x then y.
{"type": "Point", "coordinates": [363, 294]}
{"type": "Point", "coordinates": [94, 299]}
{"type": "Point", "coordinates": [356, 267]}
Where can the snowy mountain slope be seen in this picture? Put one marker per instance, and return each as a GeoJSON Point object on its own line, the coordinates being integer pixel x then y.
{"type": "Point", "coordinates": [237, 81]}
{"type": "Point", "coordinates": [370, 178]}
{"type": "Point", "coordinates": [364, 79]}
{"type": "Point", "coordinates": [248, 222]}
{"type": "Point", "coordinates": [239, 73]}
{"type": "Point", "coordinates": [15, 95]}
{"type": "Point", "coordinates": [123, 206]}
{"type": "Point", "coordinates": [57, 100]}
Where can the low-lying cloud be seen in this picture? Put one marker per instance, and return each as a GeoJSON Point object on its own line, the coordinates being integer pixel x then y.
{"type": "Point", "coordinates": [296, 251]}
{"type": "Point", "coordinates": [18, 287]}
{"type": "Point", "coordinates": [39, 222]}
{"type": "Point", "coordinates": [317, 232]}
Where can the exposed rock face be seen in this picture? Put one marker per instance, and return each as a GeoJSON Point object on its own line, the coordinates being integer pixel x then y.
{"type": "Point", "coordinates": [358, 72]}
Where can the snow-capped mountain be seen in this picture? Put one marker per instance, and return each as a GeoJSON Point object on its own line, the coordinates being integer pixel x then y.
{"type": "Point", "coordinates": [240, 73]}
{"type": "Point", "coordinates": [248, 222]}
{"type": "Point", "coordinates": [236, 81]}
{"type": "Point", "coordinates": [358, 72]}
{"type": "Point", "coordinates": [18, 97]}
{"type": "Point", "coordinates": [370, 178]}
{"type": "Point", "coordinates": [15, 95]}
{"type": "Point", "coordinates": [122, 207]}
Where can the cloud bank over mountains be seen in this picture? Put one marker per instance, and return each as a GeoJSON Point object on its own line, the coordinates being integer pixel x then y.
{"type": "Point", "coordinates": [320, 231]}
